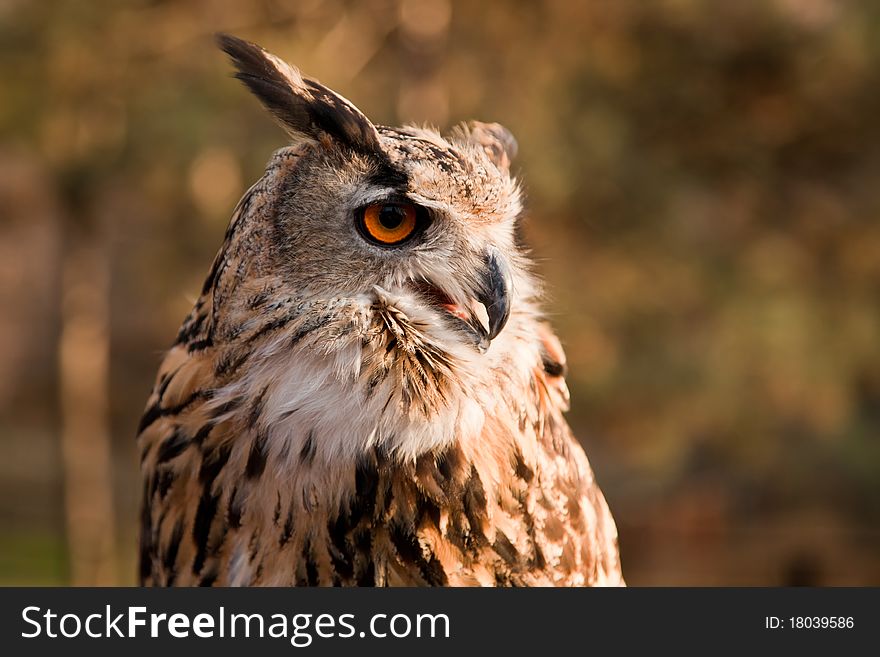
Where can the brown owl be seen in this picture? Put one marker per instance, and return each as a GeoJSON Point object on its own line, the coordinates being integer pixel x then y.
{"type": "Point", "coordinates": [365, 393]}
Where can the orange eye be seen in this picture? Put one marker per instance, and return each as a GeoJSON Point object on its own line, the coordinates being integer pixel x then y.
{"type": "Point", "coordinates": [389, 223]}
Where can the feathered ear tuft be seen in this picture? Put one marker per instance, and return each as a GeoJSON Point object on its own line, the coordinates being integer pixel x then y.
{"type": "Point", "coordinates": [497, 141]}
{"type": "Point", "coordinates": [305, 108]}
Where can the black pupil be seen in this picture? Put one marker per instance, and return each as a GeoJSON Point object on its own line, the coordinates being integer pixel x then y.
{"type": "Point", "coordinates": [391, 216]}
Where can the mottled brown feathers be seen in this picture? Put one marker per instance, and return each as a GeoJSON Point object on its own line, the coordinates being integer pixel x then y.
{"type": "Point", "coordinates": [323, 420]}
{"type": "Point", "coordinates": [438, 521]}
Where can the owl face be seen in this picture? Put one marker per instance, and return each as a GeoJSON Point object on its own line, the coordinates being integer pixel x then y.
{"type": "Point", "coordinates": [428, 219]}
{"type": "Point", "coordinates": [375, 212]}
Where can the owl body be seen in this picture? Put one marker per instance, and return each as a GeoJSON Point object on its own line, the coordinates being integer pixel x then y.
{"type": "Point", "coordinates": [365, 393]}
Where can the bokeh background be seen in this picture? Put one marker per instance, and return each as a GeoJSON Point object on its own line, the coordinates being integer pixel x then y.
{"type": "Point", "coordinates": [704, 189]}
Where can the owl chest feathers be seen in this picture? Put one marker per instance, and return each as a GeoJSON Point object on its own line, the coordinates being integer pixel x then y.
{"type": "Point", "coordinates": [350, 431]}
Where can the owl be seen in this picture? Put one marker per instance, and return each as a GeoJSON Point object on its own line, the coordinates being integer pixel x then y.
{"type": "Point", "coordinates": [365, 392]}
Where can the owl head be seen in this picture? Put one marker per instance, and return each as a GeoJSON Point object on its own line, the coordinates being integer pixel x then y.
{"type": "Point", "coordinates": [389, 252]}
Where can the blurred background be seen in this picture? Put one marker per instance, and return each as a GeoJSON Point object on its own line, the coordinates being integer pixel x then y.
{"type": "Point", "coordinates": [703, 185]}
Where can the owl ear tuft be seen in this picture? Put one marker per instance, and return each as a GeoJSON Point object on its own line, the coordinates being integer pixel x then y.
{"type": "Point", "coordinates": [305, 108]}
{"type": "Point", "coordinates": [496, 140]}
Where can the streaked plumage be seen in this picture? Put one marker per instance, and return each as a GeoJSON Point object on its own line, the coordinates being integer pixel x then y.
{"type": "Point", "coordinates": [338, 412]}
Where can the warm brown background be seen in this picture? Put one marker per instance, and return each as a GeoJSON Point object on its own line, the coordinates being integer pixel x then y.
{"type": "Point", "coordinates": [704, 189]}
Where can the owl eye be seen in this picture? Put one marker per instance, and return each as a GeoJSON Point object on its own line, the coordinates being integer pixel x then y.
{"type": "Point", "coordinates": [389, 223]}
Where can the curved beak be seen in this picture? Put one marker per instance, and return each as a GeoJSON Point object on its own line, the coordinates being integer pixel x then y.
{"type": "Point", "coordinates": [496, 291]}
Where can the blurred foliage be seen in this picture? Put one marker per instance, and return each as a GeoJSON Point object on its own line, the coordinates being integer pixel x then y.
{"type": "Point", "coordinates": [703, 204]}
